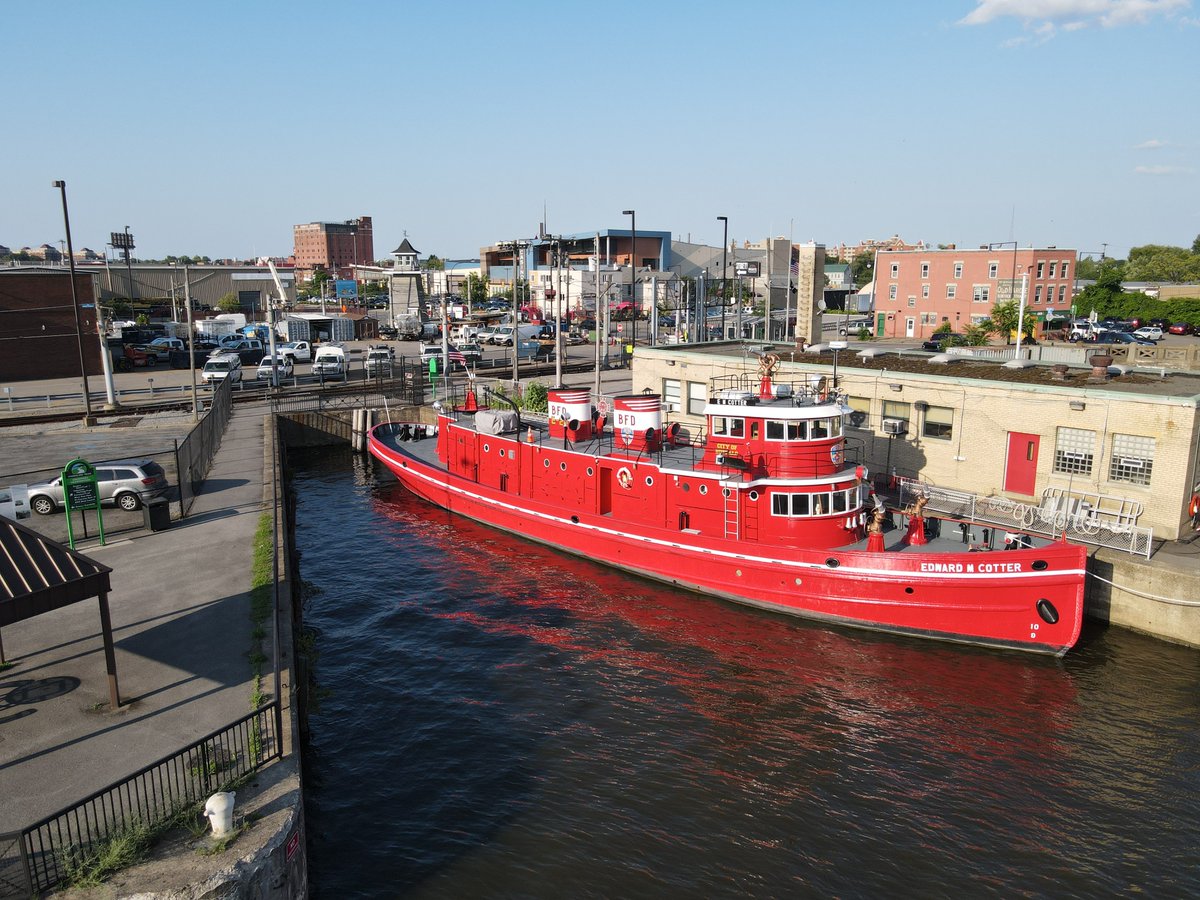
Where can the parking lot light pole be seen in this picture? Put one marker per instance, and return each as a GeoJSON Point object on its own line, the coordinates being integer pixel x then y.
{"type": "Point", "coordinates": [88, 418]}
{"type": "Point", "coordinates": [632, 268]}
{"type": "Point", "coordinates": [724, 282]}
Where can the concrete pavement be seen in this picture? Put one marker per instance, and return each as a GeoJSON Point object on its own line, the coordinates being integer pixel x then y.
{"type": "Point", "coordinates": [180, 614]}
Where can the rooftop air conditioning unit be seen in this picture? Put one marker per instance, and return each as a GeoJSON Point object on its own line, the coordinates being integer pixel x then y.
{"type": "Point", "coordinates": [894, 426]}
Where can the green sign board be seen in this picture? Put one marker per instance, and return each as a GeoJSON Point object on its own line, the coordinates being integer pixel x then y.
{"type": "Point", "coordinates": [80, 491]}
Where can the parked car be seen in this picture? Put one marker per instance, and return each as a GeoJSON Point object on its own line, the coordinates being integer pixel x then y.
{"type": "Point", "coordinates": [940, 340]}
{"type": "Point", "coordinates": [127, 483]}
{"type": "Point", "coordinates": [1182, 328]}
{"type": "Point", "coordinates": [282, 365]}
{"type": "Point", "coordinates": [1150, 333]}
{"type": "Point", "coordinates": [1126, 337]}
{"type": "Point", "coordinates": [379, 361]}
{"type": "Point", "coordinates": [1164, 324]}
{"type": "Point", "coordinates": [471, 351]}
{"type": "Point", "coordinates": [853, 326]}
{"type": "Point", "coordinates": [299, 351]}
{"type": "Point", "coordinates": [222, 366]}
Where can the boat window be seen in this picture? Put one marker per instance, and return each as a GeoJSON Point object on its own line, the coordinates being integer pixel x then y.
{"type": "Point", "coordinates": [800, 504]}
{"type": "Point", "coordinates": [753, 430]}
{"type": "Point", "coordinates": [797, 431]}
{"type": "Point", "coordinates": [775, 430]}
{"type": "Point", "coordinates": [839, 501]}
{"type": "Point", "coordinates": [835, 427]}
{"type": "Point", "coordinates": [820, 504]}
{"type": "Point", "coordinates": [820, 429]}
{"type": "Point", "coordinates": [728, 427]}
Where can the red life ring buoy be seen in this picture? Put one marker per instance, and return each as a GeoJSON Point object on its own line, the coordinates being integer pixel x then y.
{"type": "Point", "coordinates": [625, 477]}
{"type": "Point", "coordinates": [1194, 506]}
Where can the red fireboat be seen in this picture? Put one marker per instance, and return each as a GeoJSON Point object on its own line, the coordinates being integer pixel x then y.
{"type": "Point", "coordinates": [763, 506]}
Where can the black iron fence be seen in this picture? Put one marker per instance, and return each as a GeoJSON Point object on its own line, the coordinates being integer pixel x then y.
{"type": "Point", "coordinates": [46, 853]}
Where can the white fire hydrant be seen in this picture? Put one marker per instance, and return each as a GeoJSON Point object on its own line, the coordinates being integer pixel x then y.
{"type": "Point", "coordinates": [219, 812]}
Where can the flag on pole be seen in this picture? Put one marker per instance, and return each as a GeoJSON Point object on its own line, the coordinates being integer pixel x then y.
{"type": "Point", "coordinates": [456, 356]}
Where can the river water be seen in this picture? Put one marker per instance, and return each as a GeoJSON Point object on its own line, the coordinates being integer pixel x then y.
{"type": "Point", "coordinates": [500, 720]}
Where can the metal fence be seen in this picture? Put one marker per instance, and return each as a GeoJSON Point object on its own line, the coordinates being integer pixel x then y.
{"type": "Point", "coordinates": [1081, 523]}
{"type": "Point", "coordinates": [43, 854]}
{"type": "Point", "coordinates": [195, 453]}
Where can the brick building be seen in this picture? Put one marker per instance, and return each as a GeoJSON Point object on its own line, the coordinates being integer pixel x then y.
{"type": "Point", "coordinates": [919, 290]}
{"type": "Point", "coordinates": [333, 246]}
{"type": "Point", "coordinates": [38, 335]}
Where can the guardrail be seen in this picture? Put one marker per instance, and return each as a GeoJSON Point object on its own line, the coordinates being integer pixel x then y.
{"type": "Point", "coordinates": [1078, 522]}
{"type": "Point", "coordinates": [42, 855]}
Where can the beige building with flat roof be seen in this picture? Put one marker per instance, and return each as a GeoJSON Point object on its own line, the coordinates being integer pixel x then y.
{"type": "Point", "coordinates": [1130, 444]}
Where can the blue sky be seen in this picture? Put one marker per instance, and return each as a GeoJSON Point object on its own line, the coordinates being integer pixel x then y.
{"type": "Point", "coordinates": [212, 129]}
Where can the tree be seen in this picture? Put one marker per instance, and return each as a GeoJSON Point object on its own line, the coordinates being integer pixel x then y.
{"type": "Point", "coordinates": [1155, 262]}
{"type": "Point", "coordinates": [433, 264]}
{"type": "Point", "coordinates": [863, 269]}
{"type": "Point", "coordinates": [476, 288]}
{"type": "Point", "coordinates": [1196, 245]}
{"type": "Point", "coordinates": [1004, 320]}
{"type": "Point", "coordinates": [229, 303]}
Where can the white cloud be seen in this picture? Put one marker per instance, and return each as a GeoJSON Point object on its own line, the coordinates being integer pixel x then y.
{"type": "Point", "coordinates": [1152, 144]}
{"type": "Point", "coordinates": [1071, 15]}
{"type": "Point", "coordinates": [1161, 170]}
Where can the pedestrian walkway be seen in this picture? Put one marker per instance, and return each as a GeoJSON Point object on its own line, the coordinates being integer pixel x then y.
{"type": "Point", "coordinates": [180, 615]}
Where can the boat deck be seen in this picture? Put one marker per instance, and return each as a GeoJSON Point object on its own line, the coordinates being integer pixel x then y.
{"type": "Point", "coordinates": [945, 535]}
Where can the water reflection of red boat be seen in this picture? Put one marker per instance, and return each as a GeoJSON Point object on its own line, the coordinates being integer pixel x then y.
{"type": "Point", "coordinates": [767, 679]}
{"type": "Point", "coordinates": [766, 510]}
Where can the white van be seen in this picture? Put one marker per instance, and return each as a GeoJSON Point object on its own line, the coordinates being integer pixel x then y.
{"type": "Point", "coordinates": [221, 367]}
{"type": "Point", "coordinates": [330, 361]}
{"type": "Point", "coordinates": [504, 334]}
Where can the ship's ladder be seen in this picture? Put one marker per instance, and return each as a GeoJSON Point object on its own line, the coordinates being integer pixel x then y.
{"type": "Point", "coordinates": [732, 518]}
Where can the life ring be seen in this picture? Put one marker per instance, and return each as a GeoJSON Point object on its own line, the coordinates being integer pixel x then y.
{"type": "Point", "coordinates": [768, 365]}
{"type": "Point", "coordinates": [1194, 506]}
{"type": "Point", "coordinates": [624, 477]}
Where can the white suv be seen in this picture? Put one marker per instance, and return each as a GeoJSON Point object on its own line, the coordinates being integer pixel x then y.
{"type": "Point", "coordinates": [220, 368]}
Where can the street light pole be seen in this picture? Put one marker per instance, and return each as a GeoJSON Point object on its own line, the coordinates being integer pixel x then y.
{"type": "Point", "coordinates": [88, 418]}
{"type": "Point", "coordinates": [724, 284]}
{"type": "Point", "coordinates": [632, 268]}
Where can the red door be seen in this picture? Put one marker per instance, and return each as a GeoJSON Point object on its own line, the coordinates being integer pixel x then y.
{"type": "Point", "coordinates": [1020, 470]}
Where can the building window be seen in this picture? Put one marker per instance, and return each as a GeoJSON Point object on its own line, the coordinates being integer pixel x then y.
{"type": "Point", "coordinates": [1132, 459]}
{"type": "Point", "coordinates": [670, 394]}
{"type": "Point", "coordinates": [895, 270]}
{"type": "Point", "coordinates": [1073, 450]}
{"type": "Point", "coordinates": [1053, 267]}
{"type": "Point", "coordinates": [1062, 293]}
{"type": "Point", "coordinates": [928, 318]}
{"type": "Point", "coordinates": [860, 412]}
{"type": "Point", "coordinates": [958, 270]}
{"type": "Point", "coordinates": [924, 270]}
{"type": "Point", "coordinates": [993, 269]}
{"type": "Point", "coordinates": [924, 292]}
{"type": "Point", "coordinates": [1041, 269]}
{"type": "Point", "coordinates": [697, 397]}
{"type": "Point", "coordinates": [912, 301]}
{"type": "Point", "coordinates": [982, 293]}
{"type": "Point", "coordinates": [893, 409]}
{"type": "Point", "coordinates": [892, 292]}
{"type": "Point", "coordinates": [951, 290]}
{"type": "Point", "coordinates": [1064, 269]}
{"type": "Point", "coordinates": [939, 423]}
{"type": "Point", "coordinates": [1037, 294]}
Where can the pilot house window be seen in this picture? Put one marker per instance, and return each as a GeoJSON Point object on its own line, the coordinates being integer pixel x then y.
{"type": "Point", "coordinates": [728, 427]}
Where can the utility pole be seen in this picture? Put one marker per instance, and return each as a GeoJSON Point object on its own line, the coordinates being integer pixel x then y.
{"type": "Point", "coordinates": [724, 281]}
{"type": "Point", "coordinates": [187, 299]}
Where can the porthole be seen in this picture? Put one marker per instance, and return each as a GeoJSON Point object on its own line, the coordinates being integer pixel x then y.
{"type": "Point", "coordinates": [908, 590]}
{"type": "Point", "coordinates": [1039, 565]}
{"type": "Point", "coordinates": [703, 489]}
{"type": "Point", "coordinates": [575, 519]}
{"type": "Point", "coordinates": [754, 495]}
{"type": "Point", "coordinates": [590, 471]}
{"type": "Point", "coordinates": [649, 481]}
{"type": "Point", "coordinates": [546, 463]}
{"type": "Point", "coordinates": [724, 492]}
{"type": "Point", "coordinates": [686, 487]}
{"type": "Point", "coordinates": [486, 448]}
{"type": "Point", "coordinates": [562, 466]}
{"type": "Point", "coordinates": [832, 562]}
{"type": "Point", "coordinates": [1047, 611]}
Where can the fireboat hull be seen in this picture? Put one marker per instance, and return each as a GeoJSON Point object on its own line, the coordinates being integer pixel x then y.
{"type": "Point", "coordinates": [1028, 599]}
